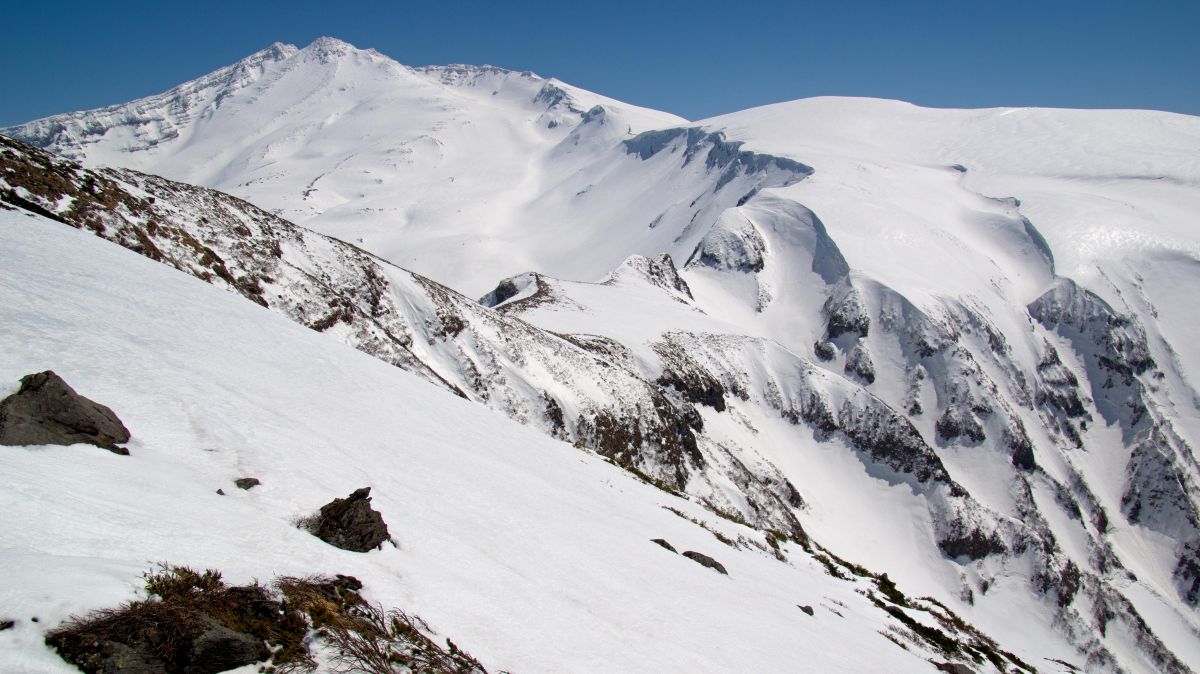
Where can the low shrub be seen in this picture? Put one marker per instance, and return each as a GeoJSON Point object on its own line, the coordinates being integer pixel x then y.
{"type": "Point", "coordinates": [193, 621]}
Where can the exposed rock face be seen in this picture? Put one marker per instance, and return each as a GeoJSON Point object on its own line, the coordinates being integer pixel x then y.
{"type": "Point", "coordinates": [350, 523]}
{"type": "Point", "coordinates": [504, 291]}
{"type": "Point", "coordinates": [663, 542]}
{"type": "Point", "coordinates": [47, 411]}
{"type": "Point", "coordinates": [659, 271]}
{"type": "Point", "coordinates": [733, 244]}
{"type": "Point", "coordinates": [704, 560]}
{"type": "Point", "coordinates": [247, 482]}
{"type": "Point", "coordinates": [860, 365]}
{"type": "Point", "coordinates": [117, 657]}
{"type": "Point", "coordinates": [723, 158]}
{"type": "Point", "coordinates": [220, 649]}
{"type": "Point", "coordinates": [845, 314]}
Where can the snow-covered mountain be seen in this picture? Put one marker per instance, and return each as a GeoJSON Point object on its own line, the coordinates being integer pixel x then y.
{"type": "Point", "coordinates": [501, 532]}
{"type": "Point", "coordinates": [952, 345]}
{"type": "Point", "coordinates": [449, 155]}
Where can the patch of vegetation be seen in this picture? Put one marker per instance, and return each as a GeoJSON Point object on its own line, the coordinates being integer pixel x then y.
{"type": "Point", "coordinates": [974, 641]}
{"type": "Point", "coordinates": [888, 588]}
{"type": "Point", "coordinates": [1064, 663]}
{"type": "Point", "coordinates": [365, 637]}
{"type": "Point", "coordinates": [621, 463]}
{"type": "Point", "coordinates": [725, 514]}
{"type": "Point", "coordinates": [890, 635]}
{"type": "Point", "coordinates": [703, 525]}
{"type": "Point", "coordinates": [830, 568]}
{"type": "Point", "coordinates": [930, 635]}
{"type": "Point", "coordinates": [855, 569]}
{"type": "Point", "coordinates": [193, 621]}
{"type": "Point", "coordinates": [774, 539]}
{"type": "Point", "coordinates": [187, 617]}
{"type": "Point", "coordinates": [955, 637]}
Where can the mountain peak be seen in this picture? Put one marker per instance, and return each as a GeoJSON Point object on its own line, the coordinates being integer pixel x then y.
{"type": "Point", "coordinates": [329, 44]}
{"type": "Point", "coordinates": [326, 49]}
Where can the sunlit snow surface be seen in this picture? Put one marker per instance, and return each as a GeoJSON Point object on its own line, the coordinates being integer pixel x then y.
{"type": "Point", "coordinates": [532, 554]}
{"type": "Point", "coordinates": [470, 175]}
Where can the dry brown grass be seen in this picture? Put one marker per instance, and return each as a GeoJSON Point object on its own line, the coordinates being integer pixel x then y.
{"type": "Point", "coordinates": [366, 637]}
{"type": "Point", "coordinates": [288, 616]}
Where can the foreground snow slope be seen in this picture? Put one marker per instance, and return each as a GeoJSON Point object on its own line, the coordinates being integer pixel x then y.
{"type": "Point", "coordinates": [502, 533]}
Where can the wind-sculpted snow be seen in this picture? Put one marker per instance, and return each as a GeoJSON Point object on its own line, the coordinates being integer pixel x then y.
{"type": "Point", "coordinates": [733, 243]}
{"type": "Point", "coordinates": [725, 157]}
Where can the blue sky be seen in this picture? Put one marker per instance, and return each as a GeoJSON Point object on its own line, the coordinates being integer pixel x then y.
{"type": "Point", "coordinates": [696, 59]}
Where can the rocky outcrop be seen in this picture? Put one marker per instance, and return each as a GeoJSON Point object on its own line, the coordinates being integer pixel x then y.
{"type": "Point", "coordinates": [1112, 345]}
{"type": "Point", "coordinates": [734, 243]}
{"type": "Point", "coordinates": [1161, 473]}
{"type": "Point", "coordinates": [722, 157]}
{"type": "Point", "coordinates": [860, 365]}
{"type": "Point", "coordinates": [658, 271]}
{"type": "Point", "coordinates": [845, 313]}
{"type": "Point", "coordinates": [47, 411]}
{"type": "Point", "coordinates": [706, 561]}
{"type": "Point", "coordinates": [663, 543]}
{"type": "Point", "coordinates": [220, 649]}
{"type": "Point", "coordinates": [350, 523]}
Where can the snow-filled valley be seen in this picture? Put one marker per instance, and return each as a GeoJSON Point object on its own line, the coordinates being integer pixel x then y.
{"type": "Point", "coordinates": [955, 347]}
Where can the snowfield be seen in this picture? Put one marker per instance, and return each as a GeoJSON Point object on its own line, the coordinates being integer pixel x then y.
{"type": "Point", "coordinates": [534, 556]}
{"type": "Point", "coordinates": [955, 346]}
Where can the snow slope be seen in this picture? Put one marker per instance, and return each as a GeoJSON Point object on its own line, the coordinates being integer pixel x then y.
{"type": "Point", "coordinates": [961, 522]}
{"type": "Point", "coordinates": [502, 533]}
{"type": "Point", "coordinates": [964, 336]}
{"type": "Point", "coordinates": [558, 383]}
{"type": "Point", "coordinates": [408, 162]}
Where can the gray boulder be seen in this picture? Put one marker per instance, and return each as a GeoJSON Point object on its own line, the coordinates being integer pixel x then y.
{"type": "Point", "coordinates": [47, 411]}
{"type": "Point", "coordinates": [953, 668]}
{"type": "Point", "coordinates": [219, 649]}
{"type": "Point", "coordinates": [663, 542]}
{"type": "Point", "coordinates": [350, 523]}
{"type": "Point", "coordinates": [120, 658]}
{"type": "Point", "coordinates": [704, 560]}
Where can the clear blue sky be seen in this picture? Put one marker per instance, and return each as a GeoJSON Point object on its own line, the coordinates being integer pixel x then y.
{"type": "Point", "coordinates": [696, 59]}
